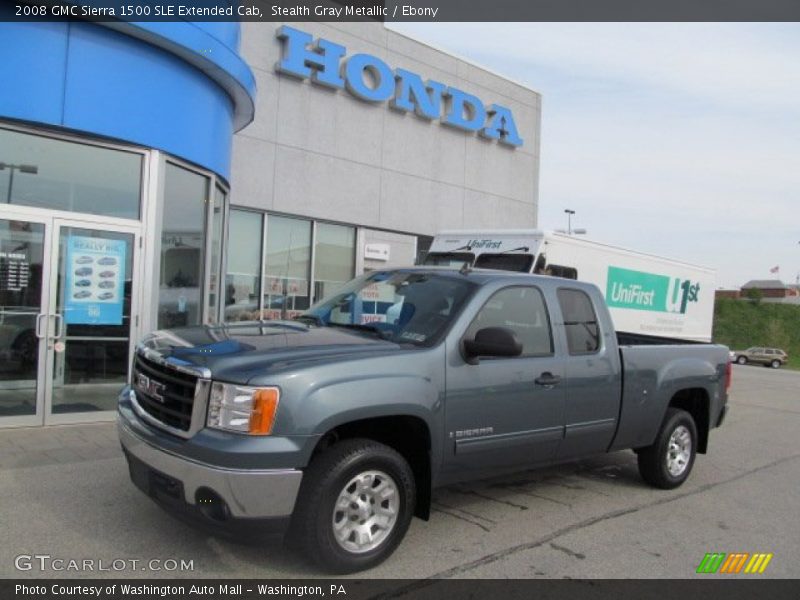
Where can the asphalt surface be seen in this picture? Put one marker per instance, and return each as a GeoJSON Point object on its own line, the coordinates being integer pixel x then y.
{"type": "Point", "coordinates": [65, 493]}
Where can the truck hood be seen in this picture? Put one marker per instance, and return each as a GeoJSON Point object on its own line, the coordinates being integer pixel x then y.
{"type": "Point", "coordinates": [237, 353]}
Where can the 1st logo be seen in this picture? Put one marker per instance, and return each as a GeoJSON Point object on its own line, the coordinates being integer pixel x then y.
{"type": "Point", "coordinates": [682, 292]}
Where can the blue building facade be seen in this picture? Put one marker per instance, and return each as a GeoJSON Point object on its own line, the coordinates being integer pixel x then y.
{"type": "Point", "coordinates": [115, 161]}
{"type": "Point", "coordinates": [179, 87]}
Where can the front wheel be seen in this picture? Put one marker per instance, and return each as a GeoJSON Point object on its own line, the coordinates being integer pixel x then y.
{"type": "Point", "coordinates": [667, 463]}
{"type": "Point", "coordinates": [355, 505]}
{"type": "Point", "coordinates": [775, 364]}
{"type": "Point", "coordinates": [742, 360]}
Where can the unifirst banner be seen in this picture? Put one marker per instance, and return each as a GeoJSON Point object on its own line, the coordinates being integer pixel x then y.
{"type": "Point", "coordinates": [638, 290]}
{"type": "Point", "coordinates": [95, 278]}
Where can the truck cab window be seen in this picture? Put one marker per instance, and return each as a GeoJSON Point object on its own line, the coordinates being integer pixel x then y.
{"type": "Point", "coordinates": [520, 263]}
{"type": "Point", "coordinates": [448, 259]}
{"type": "Point", "coordinates": [562, 271]}
{"type": "Point", "coordinates": [522, 310]}
{"type": "Point", "coordinates": [580, 321]}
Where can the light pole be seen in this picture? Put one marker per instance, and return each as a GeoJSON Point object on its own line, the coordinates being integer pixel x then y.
{"type": "Point", "coordinates": [29, 169]}
{"type": "Point", "coordinates": [569, 220]}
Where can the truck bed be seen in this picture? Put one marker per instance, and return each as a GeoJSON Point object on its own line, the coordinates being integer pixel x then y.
{"type": "Point", "coordinates": [653, 373]}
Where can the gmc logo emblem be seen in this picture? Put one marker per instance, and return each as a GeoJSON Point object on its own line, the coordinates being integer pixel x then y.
{"type": "Point", "coordinates": [147, 386]}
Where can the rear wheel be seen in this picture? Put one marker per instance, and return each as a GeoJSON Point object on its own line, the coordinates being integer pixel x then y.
{"type": "Point", "coordinates": [775, 364]}
{"type": "Point", "coordinates": [355, 505]}
{"type": "Point", "coordinates": [742, 360]}
{"type": "Point", "coordinates": [667, 463]}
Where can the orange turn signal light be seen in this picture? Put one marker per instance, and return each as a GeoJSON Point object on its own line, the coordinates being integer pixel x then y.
{"type": "Point", "coordinates": [262, 415]}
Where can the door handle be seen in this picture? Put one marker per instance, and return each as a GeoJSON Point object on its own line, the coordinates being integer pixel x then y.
{"type": "Point", "coordinates": [59, 325]}
{"type": "Point", "coordinates": [39, 318]}
{"type": "Point", "coordinates": [547, 379]}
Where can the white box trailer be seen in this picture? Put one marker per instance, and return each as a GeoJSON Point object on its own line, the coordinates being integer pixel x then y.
{"type": "Point", "coordinates": [648, 296]}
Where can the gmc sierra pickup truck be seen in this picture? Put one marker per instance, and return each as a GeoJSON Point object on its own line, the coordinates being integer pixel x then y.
{"type": "Point", "coordinates": [336, 426]}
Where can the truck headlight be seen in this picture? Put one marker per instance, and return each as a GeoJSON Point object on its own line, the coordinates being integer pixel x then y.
{"type": "Point", "coordinates": [242, 409]}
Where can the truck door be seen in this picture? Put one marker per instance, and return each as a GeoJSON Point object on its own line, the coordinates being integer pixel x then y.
{"type": "Point", "coordinates": [592, 379]}
{"type": "Point", "coordinates": [505, 412]}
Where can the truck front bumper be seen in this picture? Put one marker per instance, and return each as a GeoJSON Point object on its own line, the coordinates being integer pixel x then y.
{"type": "Point", "coordinates": [215, 492]}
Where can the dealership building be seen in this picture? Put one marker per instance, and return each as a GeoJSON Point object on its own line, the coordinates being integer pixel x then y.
{"type": "Point", "coordinates": [155, 175]}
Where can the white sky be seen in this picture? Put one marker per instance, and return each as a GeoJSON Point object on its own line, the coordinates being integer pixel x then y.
{"type": "Point", "coordinates": [677, 139]}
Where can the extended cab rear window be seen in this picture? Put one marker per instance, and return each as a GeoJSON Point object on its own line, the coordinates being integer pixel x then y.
{"type": "Point", "coordinates": [580, 321]}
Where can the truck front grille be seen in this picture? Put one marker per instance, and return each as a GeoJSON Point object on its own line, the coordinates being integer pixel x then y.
{"type": "Point", "coordinates": [164, 393]}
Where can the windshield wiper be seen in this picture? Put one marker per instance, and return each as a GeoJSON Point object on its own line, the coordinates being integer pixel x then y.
{"type": "Point", "coordinates": [381, 333]}
{"type": "Point", "coordinates": [314, 319]}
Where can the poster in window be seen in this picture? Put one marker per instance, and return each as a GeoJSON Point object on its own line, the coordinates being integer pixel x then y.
{"type": "Point", "coordinates": [94, 282]}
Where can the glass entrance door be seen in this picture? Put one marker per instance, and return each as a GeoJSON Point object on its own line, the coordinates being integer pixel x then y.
{"type": "Point", "coordinates": [92, 299]}
{"type": "Point", "coordinates": [24, 246]}
{"type": "Point", "coordinates": [68, 309]}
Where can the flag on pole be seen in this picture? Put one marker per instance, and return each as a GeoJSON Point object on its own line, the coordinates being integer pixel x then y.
{"type": "Point", "coordinates": [775, 269]}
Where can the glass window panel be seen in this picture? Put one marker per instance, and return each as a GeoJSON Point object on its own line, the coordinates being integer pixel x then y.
{"type": "Point", "coordinates": [217, 216]}
{"type": "Point", "coordinates": [50, 173]}
{"type": "Point", "coordinates": [96, 309]}
{"type": "Point", "coordinates": [244, 265]}
{"type": "Point", "coordinates": [288, 262]}
{"type": "Point", "coordinates": [561, 271]}
{"type": "Point", "coordinates": [523, 311]}
{"type": "Point", "coordinates": [409, 308]}
{"type": "Point", "coordinates": [21, 263]}
{"type": "Point", "coordinates": [580, 321]}
{"type": "Point", "coordinates": [334, 258]}
{"type": "Point", "coordinates": [449, 259]}
{"type": "Point", "coordinates": [520, 263]}
{"type": "Point", "coordinates": [182, 244]}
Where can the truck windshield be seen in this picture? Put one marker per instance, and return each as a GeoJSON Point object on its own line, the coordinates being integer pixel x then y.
{"type": "Point", "coordinates": [404, 307]}
{"type": "Point", "coordinates": [520, 263]}
{"type": "Point", "coordinates": [448, 259]}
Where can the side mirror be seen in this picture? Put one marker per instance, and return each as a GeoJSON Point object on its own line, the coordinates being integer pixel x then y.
{"type": "Point", "coordinates": [492, 341]}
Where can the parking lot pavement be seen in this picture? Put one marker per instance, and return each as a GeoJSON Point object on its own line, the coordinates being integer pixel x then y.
{"type": "Point", "coordinates": [65, 493]}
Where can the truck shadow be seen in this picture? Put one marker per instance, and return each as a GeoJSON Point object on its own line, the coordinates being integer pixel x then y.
{"type": "Point", "coordinates": [481, 504]}
{"type": "Point", "coordinates": [539, 490]}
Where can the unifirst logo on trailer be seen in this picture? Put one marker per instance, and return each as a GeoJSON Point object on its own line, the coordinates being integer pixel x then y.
{"type": "Point", "coordinates": [369, 78]}
{"type": "Point", "coordinates": [649, 291]}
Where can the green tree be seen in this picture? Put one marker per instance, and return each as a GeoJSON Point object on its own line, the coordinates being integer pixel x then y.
{"type": "Point", "coordinates": [754, 295]}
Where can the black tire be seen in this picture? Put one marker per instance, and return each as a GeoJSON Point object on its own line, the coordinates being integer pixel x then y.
{"type": "Point", "coordinates": [653, 460]}
{"type": "Point", "coordinates": [775, 364]}
{"type": "Point", "coordinates": [325, 479]}
{"type": "Point", "coordinates": [741, 360]}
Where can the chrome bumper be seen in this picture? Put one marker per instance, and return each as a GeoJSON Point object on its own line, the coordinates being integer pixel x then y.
{"type": "Point", "coordinates": [248, 493]}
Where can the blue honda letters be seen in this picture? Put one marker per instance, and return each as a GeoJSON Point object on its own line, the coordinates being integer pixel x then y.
{"type": "Point", "coordinates": [369, 78]}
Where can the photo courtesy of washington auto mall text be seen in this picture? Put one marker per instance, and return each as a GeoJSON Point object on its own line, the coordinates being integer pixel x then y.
{"type": "Point", "coordinates": [404, 299]}
{"type": "Point", "coordinates": [177, 590]}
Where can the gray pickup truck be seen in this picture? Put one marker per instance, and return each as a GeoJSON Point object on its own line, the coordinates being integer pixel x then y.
{"type": "Point", "coordinates": [336, 426]}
